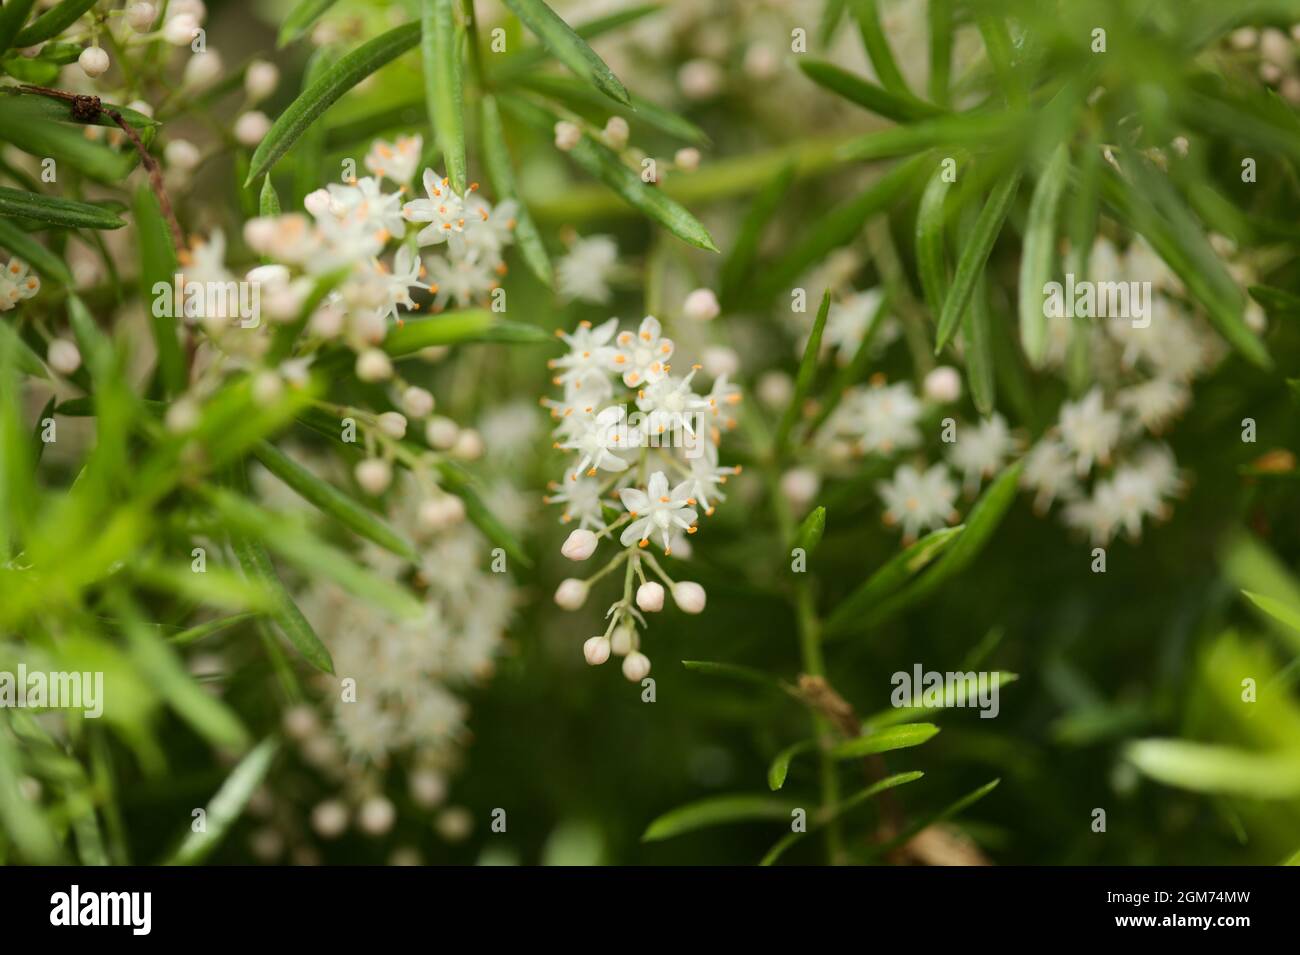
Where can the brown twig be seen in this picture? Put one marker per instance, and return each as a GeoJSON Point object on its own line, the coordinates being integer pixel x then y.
{"type": "Point", "coordinates": [87, 109]}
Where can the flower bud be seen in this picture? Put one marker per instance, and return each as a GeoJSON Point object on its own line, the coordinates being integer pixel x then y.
{"type": "Point", "coordinates": [393, 424]}
{"type": "Point", "coordinates": [596, 650]}
{"type": "Point", "coordinates": [571, 594]}
{"type": "Point", "coordinates": [300, 722]}
{"type": "Point", "coordinates": [93, 61]}
{"type": "Point", "coordinates": [317, 202]}
{"type": "Point", "coordinates": [687, 159]}
{"type": "Point", "coordinates": [330, 819]}
{"type": "Point", "coordinates": [468, 445]}
{"type": "Point", "coordinates": [799, 486]}
{"type": "Point", "coordinates": [440, 512]}
{"type": "Point", "coordinates": [567, 135]}
{"type": "Point", "coordinates": [689, 596]}
{"type": "Point", "coordinates": [373, 365]}
{"type": "Point", "coordinates": [260, 80]}
{"type": "Point", "coordinates": [180, 30]}
{"type": "Point", "coordinates": [623, 641]}
{"type": "Point", "coordinates": [636, 666]}
{"type": "Point", "coordinates": [182, 416]}
{"type": "Point", "coordinates": [428, 787]}
{"type": "Point", "coordinates": [579, 545]}
{"type": "Point", "coordinates": [701, 305]}
{"type": "Point", "coordinates": [441, 433]}
{"type": "Point", "coordinates": [417, 403]}
{"type": "Point", "coordinates": [203, 69]}
{"type": "Point", "coordinates": [376, 816]}
{"type": "Point", "coordinates": [650, 596]}
{"type": "Point", "coordinates": [141, 16]}
{"type": "Point", "coordinates": [374, 475]}
{"type": "Point", "coordinates": [943, 385]}
{"type": "Point", "coordinates": [267, 387]}
{"type": "Point", "coordinates": [183, 155]}
{"type": "Point", "coordinates": [616, 133]}
{"type": "Point", "coordinates": [251, 128]}
{"type": "Point", "coordinates": [63, 356]}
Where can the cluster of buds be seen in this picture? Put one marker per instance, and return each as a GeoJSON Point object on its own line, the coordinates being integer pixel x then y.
{"type": "Point", "coordinates": [645, 477]}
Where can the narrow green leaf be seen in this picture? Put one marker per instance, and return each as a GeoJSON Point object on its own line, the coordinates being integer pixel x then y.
{"type": "Point", "coordinates": [501, 173]}
{"type": "Point", "coordinates": [811, 530]}
{"type": "Point", "coordinates": [958, 694]}
{"type": "Point", "coordinates": [158, 265]}
{"type": "Point", "coordinates": [718, 810]}
{"type": "Point", "coordinates": [65, 213]}
{"type": "Point", "coordinates": [24, 822]}
{"type": "Point", "coordinates": [340, 77]}
{"type": "Point", "coordinates": [257, 566]}
{"type": "Point", "coordinates": [1208, 768]}
{"type": "Point", "coordinates": [875, 42]}
{"type": "Point", "coordinates": [780, 767]}
{"type": "Point", "coordinates": [939, 19]}
{"type": "Point", "coordinates": [736, 270]}
{"type": "Point", "coordinates": [977, 335]}
{"type": "Point", "coordinates": [524, 62]}
{"type": "Point", "coordinates": [567, 47]}
{"type": "Point", "coordinates": [1284, 613]}
{"type": "Point", "coordinates": [1277, 302]}
{"type": "Point", "coordinates": [457, 480]}
{"type": "Point", "coordinates": [837, 228]}
{"type": "Point", "coordinates": [804, 379]}
{"type": "Point", "coordinates": [39, 107]}
{"type": "Point", "coordinates": [443, 94]}
{"type": "Point", "coordinates": [834, 812]}
{"type": "Point", "coordinates": [227, 805]}
{"type": "Point", "coordinates": [997, 43]}
{"type": "Point", "coordinates": [209, 629]}
{"type": "Point", "coordinates": [953, 809]}
{"type": "Point", "coordinates": [300, 19]}
{"type": "Point", "coordinates": [12, 17]}
{"type": "Point", "coordinates": [332, 501]}
{"type": "Point", "coordinates": [206, 714]}
{"type": "Point", "coordinates": [593, 106]}
{"type": "Point", "coordinates": [27, 123]}
{"type": "Point", "coordinates": [268, 202]}
{"type": "Point", "coordinates": [459, 328]}
{"type": "Point", "coordinates": [600, 161]}
{"type": "Point", "coordinates": [974, 256]}
{"type": "Point", "coordinates": [888, 579]}
{"type": "Point", "coordinates": [900, 107]}
{"type": "Point", "coordinates": [52, 22]}
{"type": "Point", "coordinates": [732, 671]}
{"type": "Point", "coordinates": [1039, 253]}
{"type": "Point", "coordinates": [18, 242]}
{"type": "Point", "coordinates": [931, 247]}
{"type": "Point", "coordinates": [884, 741]}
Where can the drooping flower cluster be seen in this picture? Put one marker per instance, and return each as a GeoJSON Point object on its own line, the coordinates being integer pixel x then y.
{"type": "Point", "coordinates": [646, 475]}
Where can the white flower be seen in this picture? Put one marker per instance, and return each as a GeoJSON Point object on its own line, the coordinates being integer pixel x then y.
{"type": "Point", "coordinates": [63, 356]}
{"type": "Point", "coordinates": [1049, 472]}
{"type": "Point", "coordinates": [589, 355]}
{"type": "Point", "coordinates": [918, 501]}
{"type": "Point", "coordinates": [980, 450]}
{"type": "Point", "coordinates": [643, 357]}
{"type": "Point", "coordinates": [848, 322]}
{"type": "Point", "coordinates": [404, 276]}
{"type": "Point", "coordinates": [443, 210]}
{"type": "Point", "coordinates": [488, 229]}
{"type": "Point", "coordinates": [364, 206]}
{"type": "Point", "coordinates": [942, 385]}
{"type": "Point", "coordinates": [395, 161]}
{"type": "Point", "coordinates": [17, 284]}
{"type": "Point", "coordinates": [670, 405]}
{"type": "Point", "coordinates": [581, 500]}
{"type": "Point", "coordinates": [1155, 403]}
{"type": "Point", "coordinates": [1088, 430]}
{"type": "Point", "coordinates": [583, 273]}
{"type": "Point", "coordinates": [260, 80]}
{"type": "Point", "coordinates": [567, 135]}
{"type": "Point", "coordinates": [657, 510]}
{"type": "Point", "coordinates": [602, 435]}
{"type": "Point", "coordinates": [883, 417]}
{"type": "Point", "coordinates": [466, 280]}
{"type": "Point", "coordinates": [701, 305]}
{"type": "Point", "coordinates": [706, 476]}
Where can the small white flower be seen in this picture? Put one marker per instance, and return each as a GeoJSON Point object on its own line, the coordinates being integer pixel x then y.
{"type": "Point", "coordinates": [443, 210]}
{"type": "Point", "coordinates": [17, 284]}
{"type": "Point", "coordinates": [202, 70]}
{"type": "Point", "coordinates": [374, 475]}
{"type": "Point", "coordinates": [701, 305]}
{"type": "Point", "coordinates": [581, 500]}
{"type": "Point", "coordinates": [687, 159]}
{"type": "Point", "coordinates": [396, 161]}
{"type": "Point", "coordinates": [63, 356]}
{"type": "Point", "coordinates": [602, 436]}
{"type": "Point", "coordinates": [657, 510]}
{"type": "Point", "coordinates": [1089, 431]}
{"type": "Point", "coordinates": [373, 365]}
{"type": "Point", "coordinates": [670, 405]}
{"type": "Point", "coordinates": [141, 16]}
{"type": "Point", "coordinates": [643, 357]}
{"type": "Point", "coordinates": [181, 154]}
{"type": "Point", "coordinates": [1049, 472]}
{"type": "Point", "coordinates": [942, 385]}
{"type": "Point", "coordinates": [260, 80]}
{"type": "Point", "coordinates": [251, 128]}
{"type": "Point", "coordinates": [589, 355]}
{"type": "Point", "coordinates": [883, 418]}
{"type": "Point", "coordinates": [707, 477]}
{"type": "Point", "coordinates": [616, 133]}
{"type": "Point", "coordinates": [583, 273]}
{"type": "Point", "coordinates": [465, 279]}
{"type": "Point", "coordinates": [567, 135]}
{"type": "Point", "coordinates": [918, 501]}
{"type": "Point", "coordinates": [417, 402]}
{"type": "Point", "coordinates": [1155, 403]}
{"type": "Point", "coordinates": [393, 424]}
{"type": "Point", "coordinates": [980, 450]}
{"type": "Point", "coordinates": [848, 322]}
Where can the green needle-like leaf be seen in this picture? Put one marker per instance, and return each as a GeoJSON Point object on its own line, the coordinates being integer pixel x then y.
{"type": "Point", "coordinates": [501, 174]}
{"type": "Point", "coordinates": [65, 213]}
{"type": "Point", "coordinates": [227, 805]}
{"type": "Point", "coordinates": [884, 741]}
{"type": "Point", "coordinates": [718, 810]}
{"type": "Point", "coordinates": [12, 17]}
{"type": "Point", "coordinates": [931, 246]}
{"type": "Point", "coordinates": [867, 14]}
{"type": "Point", "coordinates": [300, 19]}
{"type": "Point", "coordinates": [1039, 253]}
{"type": "Point", "coordinates": [350, 70]}
{"type": "Point", "coordinates": [33, 253]}
{"type": "Point", "coordinates": [256, 563]}
{"type": "Point", "coordinates": [804, 380]}
{"type": "Point", "coordinates": [780, 767]}
{"type": "Point", "coordinates": [834, 812]}
{"type": "Point", "coordinates": [900, 107]}
{"type": "Point", "coordinates": [52, 22]}
{"type": "Point", "coordinates": [567, 47]}
{"type": "Point", "coordinates": [443, 93]}
{"type": "Point", "coordinates": [158, 265]}
{"type": "Point", "coordinates": [459, 328]}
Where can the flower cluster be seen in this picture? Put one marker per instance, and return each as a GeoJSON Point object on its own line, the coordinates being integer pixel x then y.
{"type": "Point", "coordinates": [16, 284]}
{"type": "Point", "coordinates": [646, 476]}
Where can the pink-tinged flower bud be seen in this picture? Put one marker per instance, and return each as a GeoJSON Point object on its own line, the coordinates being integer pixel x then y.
{"type": "Point", "coordinates": [184, 155]}
{"type": "Point", "coordinates": [623, 641]}
{"type": "Point", "coordinates": [596, 650]}
{"type": "Point", "coordinates": [689, 595]}
{"type": "Point", "coordinates": [260, 80]}
{"type": "Point", "coordinates": [141, 16]}
{"type": "Point", "coordinates": [417, 403]}
{"type": "Point", "coordinates": [687, 159]}
{"type": "Point", "coordinates": [571, 594]}
{"type": "Point", "coordinates": [441, 433]}
{"type": "Point", "coordinates": [650, 596]}
{"type": "Point", "coordinates": [330, 819]}
{"type": "Point", "coordinates": [180, 30]}
{"type": "Point", "coordinates": [376, 816]}
{"type": "Point", "coordinates": [93, 61]}
{"type": "Point", "coordinates": [701, 305]}
{"type": "Point", "coordinates": [943, 385]}
{"type": "Point", "coordinates": [616, 133]}
{"type": "Point", "coordinates": [636, 666]}
{"type": "Point", "coordinates": [393, 424]}
{"type": "Point", "coordinates": [579, 545]}
{"type": "Point", "coordinates": [251, 128]}
{"type": "Point", "coordinates": [373, 365]}
{"type": "Point", "coordinates": [441, 512]}
{"type": "Point", "coordinates": [799, 486]}
{"type": "Point", "coordinates": [567, 135]}
{"type": "Point", "coordinates": [63, 356]}
{"type": "Point", "coordinates": [374, 475]}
